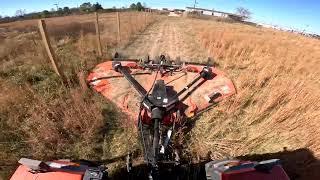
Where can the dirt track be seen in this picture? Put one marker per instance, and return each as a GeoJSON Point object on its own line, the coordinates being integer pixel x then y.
{"type": "Point", "coordinates": [172, 37]}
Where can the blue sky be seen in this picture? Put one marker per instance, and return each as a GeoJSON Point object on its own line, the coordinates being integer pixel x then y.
{"type": "Point", "coordinates": [298, 14]}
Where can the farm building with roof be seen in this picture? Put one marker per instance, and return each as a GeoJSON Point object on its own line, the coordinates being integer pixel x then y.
{"type": "Point", "coordinates": [209, 12]}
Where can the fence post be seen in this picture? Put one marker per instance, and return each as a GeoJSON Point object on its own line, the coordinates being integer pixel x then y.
{"type": "Point", "coordinates": [137, 21]}
{"type": "Point", "coordinates": [98, 34]}
{"type": "Point", "coordinates": [145, 19]}
{"type": "Point", "coordinates": [118, 25]}
{"type": "Point", "coordinates": [130, 24]}
{"type": "Point", "coordinates": [50, 52]}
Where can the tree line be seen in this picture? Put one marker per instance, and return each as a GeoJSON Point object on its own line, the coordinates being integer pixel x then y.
{"type": "Point", "coordinates": [84, 8]}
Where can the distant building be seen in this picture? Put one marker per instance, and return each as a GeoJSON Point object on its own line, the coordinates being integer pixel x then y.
{"type": "Point", "coordinates": [179, 10]}
{"type": "Point", "coordinates": [175, 14]}
{"type": "Point", "coordinates": [209, 12]}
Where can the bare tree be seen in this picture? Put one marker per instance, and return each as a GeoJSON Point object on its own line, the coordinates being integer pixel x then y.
{"type": "Point", "coordinates": [244, 12]}
{"type": "Point", "coordinates": [20, 12]}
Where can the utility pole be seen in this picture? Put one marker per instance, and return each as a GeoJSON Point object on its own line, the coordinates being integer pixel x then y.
{"type": "Point", "coordinates": [56, 4]}
{"type": "Point", "coordinates": [194, 5]}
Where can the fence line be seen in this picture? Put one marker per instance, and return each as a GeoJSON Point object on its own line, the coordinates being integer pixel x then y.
{"type": "Point", "coordinates": [132, 23]}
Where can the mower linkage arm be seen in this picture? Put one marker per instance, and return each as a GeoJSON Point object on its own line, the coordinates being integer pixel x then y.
{"type": "Point", "coordinates": [205, 74]}
{"type": "Point", "coordinates": [137, 86]}
{"type": "Point", "coordinates": [119, 68]}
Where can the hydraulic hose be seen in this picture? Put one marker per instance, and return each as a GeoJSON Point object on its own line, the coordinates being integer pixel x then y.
{"type": "Point", "coordinates": [156, 138]}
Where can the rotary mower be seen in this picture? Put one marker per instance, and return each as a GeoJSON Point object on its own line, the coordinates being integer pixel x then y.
{"type": "Point", "coordinates": [159, 96]}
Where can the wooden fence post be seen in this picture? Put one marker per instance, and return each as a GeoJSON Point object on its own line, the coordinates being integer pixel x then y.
{"type": "Point", "coordinates": [51, 54]}
{"type": "Point", "coordinates": [118, 25]}
{"type": "Point", "coordinates": [137, 22]}
{"type": "Point", "coordinates": [145, 19]}
{"type": "Point", "coordinates": [130, 24]}
{"type": "Point", "coordinates": [98, 34]}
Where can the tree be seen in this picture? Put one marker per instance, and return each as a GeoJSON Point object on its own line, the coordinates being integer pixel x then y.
{"type": "Point", "coordinates": [96, 6]}
{"type": "Point", "coordinates": [245, 13]}
{"type": "Point", "coordinates": [66, 10]}
{"type": "Point", "coordinates": [133, 6]}
{"type": "Point", "coordinates": [137, 7]}
{"type": "Point", "coordinates": [45, 14]}
{"type": "Point", "coordinates": [20, 13]}
{"type": "Point", "coordinates": [85, 7]}
{"type": "Point", "coordinates": [140, 7]}
{"type": "Point", "coordinates": [60, 11]}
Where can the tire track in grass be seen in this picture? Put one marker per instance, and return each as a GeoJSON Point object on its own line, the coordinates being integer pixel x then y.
{"type": "Point", "coordinates": [171, 36]}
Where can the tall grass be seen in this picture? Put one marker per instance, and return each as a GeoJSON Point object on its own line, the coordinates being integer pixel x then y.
{"type": "Point", "coordinates": [276, 75]}
{"type": "Point", "coordinates": [39, 117]}
{"type": "Point", "coordinates": [278, 92]}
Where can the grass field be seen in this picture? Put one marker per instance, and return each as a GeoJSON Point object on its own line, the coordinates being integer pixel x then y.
{"type": "Point", "coordinates": [277, 79]}
{"type": "Point", "coordinates": [276, 75]}
{"type": "Point", "coordinates": [276, 107]}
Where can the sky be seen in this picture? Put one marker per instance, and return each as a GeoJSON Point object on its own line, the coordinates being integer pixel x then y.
{"type": "Point", "coordinates": [294, 14]}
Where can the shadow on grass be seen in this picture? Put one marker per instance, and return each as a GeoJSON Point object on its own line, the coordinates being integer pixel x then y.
{"type": "Point", "coordinates": [299, 164]}
{"type": "Point", "coordinates": [167, 172]}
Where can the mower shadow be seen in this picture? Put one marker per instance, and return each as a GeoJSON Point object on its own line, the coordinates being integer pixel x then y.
{"type": "Point", "coordinates": [299, 164]}
{"type": "Point", "coordinates": [167, 172]}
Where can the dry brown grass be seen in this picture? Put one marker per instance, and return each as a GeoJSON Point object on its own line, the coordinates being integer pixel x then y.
{"type": "Point", "coordinates": [66, 127]}
{"type": "Point", "coordinates": [276, 75]}
{"type": "Point", "coordinates": [39, 117]}
{"type": "Point", "coordinates": [278, 92]}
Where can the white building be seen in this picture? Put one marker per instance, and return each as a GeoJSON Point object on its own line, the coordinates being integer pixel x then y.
{"type": "Point", "coordinates": [209, 12]}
